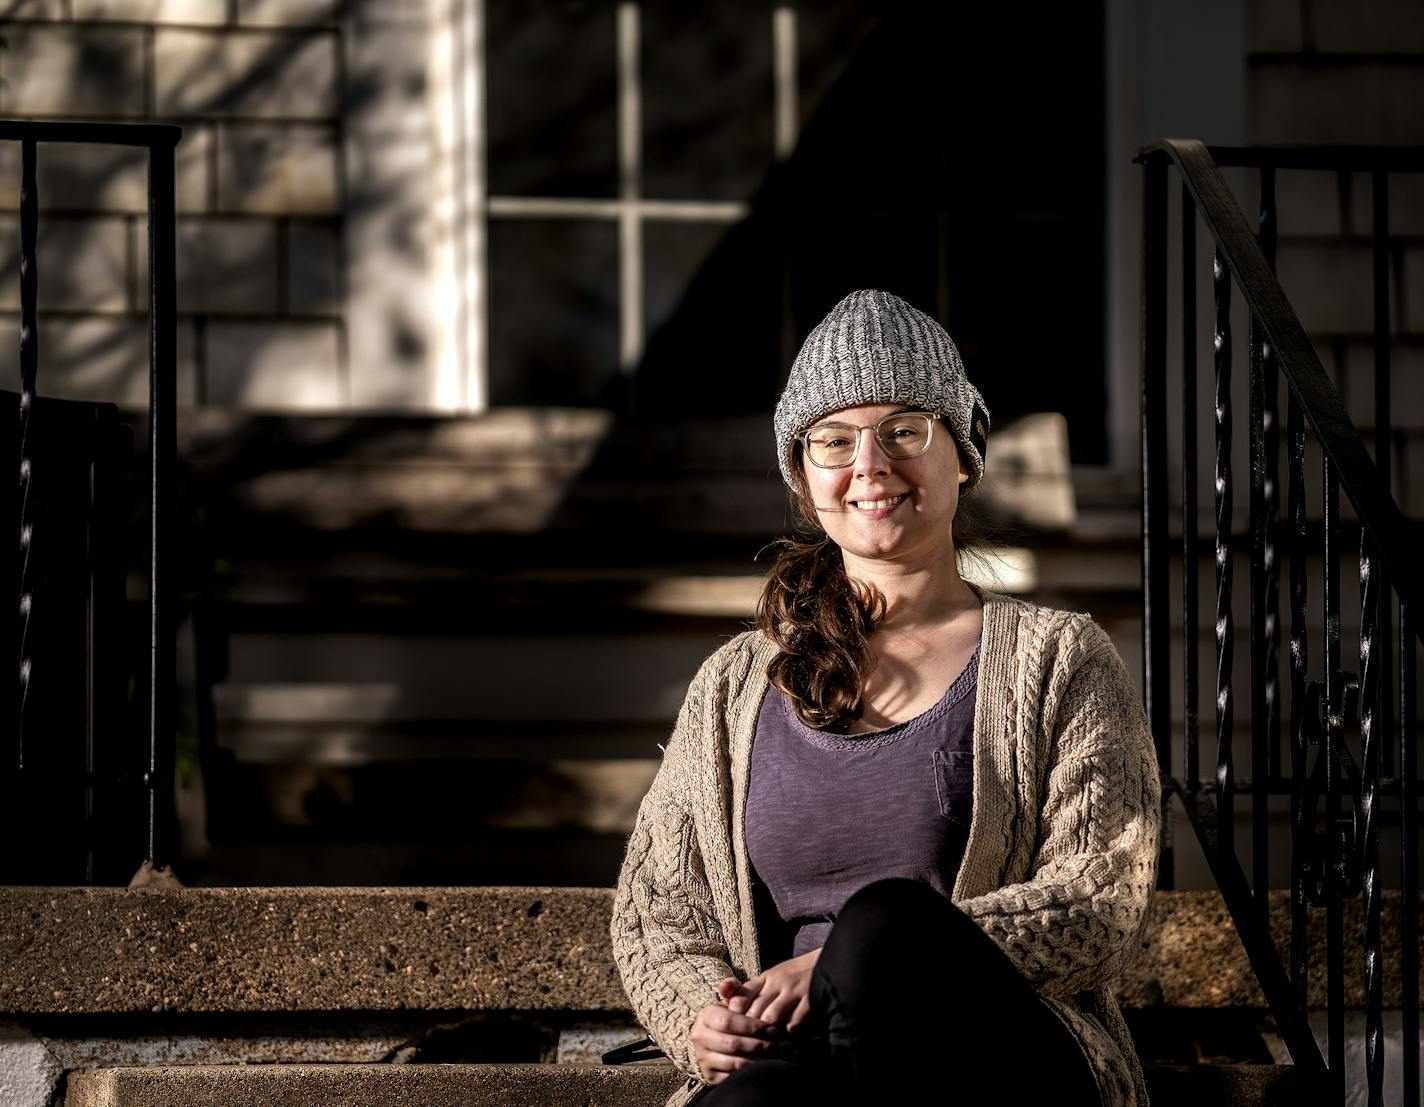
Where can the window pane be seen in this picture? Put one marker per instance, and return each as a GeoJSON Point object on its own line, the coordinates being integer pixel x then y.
{"type": "Point", "coordinates": [707, 98]}
{"type": "Point", "coordinates": [713, 306]}
{"type": "Point", "coordinates": [553, 98]}
{"type": "Point", "coordinates": [1027, 317]}
{"type": "Point", "coordinates": [553, 313]}
{"type": "Point", "coordinates": [834, 255]}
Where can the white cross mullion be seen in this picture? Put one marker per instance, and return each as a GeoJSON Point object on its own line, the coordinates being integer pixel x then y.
{"type": "Point", "coordinates": [630, 168]}
{"type": "Point", "coordinates": [474, 306]}
{"type": "Point", "coordinates": [784, 78]}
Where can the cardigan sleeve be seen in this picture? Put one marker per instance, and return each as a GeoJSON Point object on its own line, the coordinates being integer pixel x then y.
{"type": "Point", "coordinates": [1076, 921]}
{"type": "Point", "coordinates": [667, 942]}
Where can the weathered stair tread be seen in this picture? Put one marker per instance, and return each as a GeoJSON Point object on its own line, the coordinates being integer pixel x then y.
{"type": "Point", "coordinates": [541, 1085]}
{"type": "Point", "coordinates": [92, 951]}
{"type": "Point", "coordinates": [373, 1086]}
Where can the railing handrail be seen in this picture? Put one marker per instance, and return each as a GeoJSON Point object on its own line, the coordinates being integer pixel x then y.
{"type": "Point", "coordinates": [1342, 159]}
{"type": "Point", "coordinates": [1319, 401]}
{"type": "Point", "coordinates": [109, 134]}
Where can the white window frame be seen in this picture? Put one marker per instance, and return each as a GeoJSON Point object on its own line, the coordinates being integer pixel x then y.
{"type": "Point", "coordinates": [462, 205]}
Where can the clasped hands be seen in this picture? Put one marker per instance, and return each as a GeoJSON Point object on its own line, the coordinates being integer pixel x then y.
{"type": "Point", "coordinates": [753, 1019]}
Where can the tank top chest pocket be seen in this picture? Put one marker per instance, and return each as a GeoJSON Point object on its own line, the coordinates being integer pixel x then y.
{"type": "Point", "coordinates": [954, 784]}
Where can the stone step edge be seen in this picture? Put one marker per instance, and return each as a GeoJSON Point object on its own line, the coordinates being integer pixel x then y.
{"type": "Point", "coordinates": [500, 1085]}
{"type": "Point", "coordinates": [450, 1085]}
{"type": "Point", "coordinates": [84, 951]}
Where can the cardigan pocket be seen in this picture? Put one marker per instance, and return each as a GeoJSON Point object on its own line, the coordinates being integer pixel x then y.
{"type": "Point", "coordinates": [954, 784]}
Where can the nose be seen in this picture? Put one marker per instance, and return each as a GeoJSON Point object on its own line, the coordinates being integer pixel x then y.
{"type": "Point", "coordinates": [870, 459]}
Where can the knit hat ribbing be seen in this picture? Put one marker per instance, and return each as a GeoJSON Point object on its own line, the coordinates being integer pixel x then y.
{"type": "Point", "coordinates": [874, 348]}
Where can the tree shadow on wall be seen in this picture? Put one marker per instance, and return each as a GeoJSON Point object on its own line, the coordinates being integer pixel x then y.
{"type": "Point", "coordinates": [262, 278]}
{"type": "Point", "coordinates": [929, 168]}
{"type": "Point", "coordinates": [936, 168]}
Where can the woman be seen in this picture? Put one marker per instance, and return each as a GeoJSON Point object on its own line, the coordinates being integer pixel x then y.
{"type": "Point", "coordinates": [904, 833]}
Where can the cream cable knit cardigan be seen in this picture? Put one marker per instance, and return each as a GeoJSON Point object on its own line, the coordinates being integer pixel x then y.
{"type": "Point", "coordinates": [1059, 868]}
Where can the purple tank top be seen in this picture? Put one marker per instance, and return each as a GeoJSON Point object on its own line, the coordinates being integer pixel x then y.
{"type": "Point", "coordinates": [829, 813]}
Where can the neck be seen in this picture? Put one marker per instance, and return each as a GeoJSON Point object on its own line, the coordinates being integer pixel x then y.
{"type": "Point", "coordinates": [926, 590]}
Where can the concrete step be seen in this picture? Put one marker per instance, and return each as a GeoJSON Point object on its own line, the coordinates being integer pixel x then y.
{"type": "Point", "coordinates": [644, 1085]}
{"type": "Point", "coordinates": [383, 1085]}
{"type": "Point", "coordinates": [92, 951]}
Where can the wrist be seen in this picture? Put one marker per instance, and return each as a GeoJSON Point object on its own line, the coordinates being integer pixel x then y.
{"type": "Point", "coordinates": [811, 956]}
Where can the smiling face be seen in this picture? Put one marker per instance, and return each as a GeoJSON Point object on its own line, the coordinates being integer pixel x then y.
{"type": "Point", "coordinates": [883, 508]}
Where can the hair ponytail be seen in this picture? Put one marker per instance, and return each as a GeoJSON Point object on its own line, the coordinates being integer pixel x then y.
{"type": "Point", "coordinates": [820, 620]}
{"type": "Point", "coordinates": [822, 623]}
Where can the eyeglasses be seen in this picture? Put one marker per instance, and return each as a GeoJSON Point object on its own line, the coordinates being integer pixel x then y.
{"type": "Point", "coordinates": [836, 445]}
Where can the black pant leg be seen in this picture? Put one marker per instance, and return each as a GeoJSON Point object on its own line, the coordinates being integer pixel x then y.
{"type": "Point", "coordinates": [773, 1082]}
{"type": "Point", "coordinates": [909, 991]}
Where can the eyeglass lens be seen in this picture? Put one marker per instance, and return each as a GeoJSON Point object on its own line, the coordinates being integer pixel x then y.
{"type": "Point", "coordinates": [900, 436]}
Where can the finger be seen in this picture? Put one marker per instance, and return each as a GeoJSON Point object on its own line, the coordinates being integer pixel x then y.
{"type": "Point", "coordinates": [802, 1012]}
{"type": "Point", "coordinates": [772, 1013]}
{"type": "Point", "coordinates": [729, 1022]}
{"type": "Point", "coordinates": [744, 1045]}
{"type": "Point", "coordinates": [768, 1004]}
{"type": "Point", "coordinates": [752, 988]}
{"type": "Point", "coordinates": [724, 1032]}
{"type": "Point", "coordinates": [763, 996]}
{"type": "Point", "coordinates": [727, 988]}
{"type": "Point", "coordinates": [735, 1045]}
{"type": "Point", "coordinates": [716, 1067]}
{"type": "Point", "coordinates": [745, 994]}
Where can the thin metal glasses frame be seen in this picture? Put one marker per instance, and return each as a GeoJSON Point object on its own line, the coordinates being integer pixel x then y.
{"type": "Point", "coordinates": [929, 416]}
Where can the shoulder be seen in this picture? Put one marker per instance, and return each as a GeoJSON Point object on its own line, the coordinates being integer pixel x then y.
{"type": "Point", "coordinates": [1058, 635]}
{"type": "Point", "coordinates": [1065, 664]}
{"type": "Point", "coordinates": [1035, 652]}
{"type": "Point", "coordinates": [727, 682]}
{"type": "Point", "coordinates": [735, 658]}
{"type": "Point", "coordinates": [735, 671]}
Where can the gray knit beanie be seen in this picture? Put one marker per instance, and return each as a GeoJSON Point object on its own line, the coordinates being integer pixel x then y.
{"type": "Point", "coordinates": [873, 348]}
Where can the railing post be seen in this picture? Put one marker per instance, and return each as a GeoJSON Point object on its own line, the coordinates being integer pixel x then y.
{"type": "Point", "coordinates": [27, 702]}
{"type": "Point", "coordinates": [1256, 394]}
{"type": "Point", "coordinates": [1224, 622]}
{"type": "Point", "coordinates": [1374, 669]}
{"type": "Point", "coordinates": [1271, 487]}
{"type": "Point", "coordinates": [1332, 748]}
{"type": "Point", "coordinates": [1265, 601]}
{"type": "Point", "coordinates": [162, 429]}
{"type": "Point", "coordinates": [1301, 818]}
{"type": "Point", "coordinates": [1155, 639]}
{"type": "Point", "coordinates": [1191, 765]}
{"type": "Point", "coordinates": [1408, 853]}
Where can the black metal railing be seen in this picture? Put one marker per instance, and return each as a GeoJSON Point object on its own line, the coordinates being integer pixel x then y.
{"type": "Point", "coordinates": [44, 723]}
{"type": "Point", "coordinates": [1343, 727]}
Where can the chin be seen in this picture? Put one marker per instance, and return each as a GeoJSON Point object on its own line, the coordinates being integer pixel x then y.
{"type": "Point", "coordinates": [877, 550]}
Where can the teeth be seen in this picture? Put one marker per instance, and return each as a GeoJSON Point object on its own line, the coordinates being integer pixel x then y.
{"type": "Point", "coordinates": [874, 505]}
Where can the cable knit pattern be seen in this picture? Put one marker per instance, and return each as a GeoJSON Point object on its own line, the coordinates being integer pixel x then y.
{"type": "Point", "coordinates": [1059, 867]}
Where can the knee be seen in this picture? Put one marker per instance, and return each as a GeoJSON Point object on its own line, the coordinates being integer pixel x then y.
{"type": "Point", "coordinates": [898, 910]}
{"type": "Point", "coordinates": [897, 925]}
{"type": "Point", "coordinates": [884, 927]}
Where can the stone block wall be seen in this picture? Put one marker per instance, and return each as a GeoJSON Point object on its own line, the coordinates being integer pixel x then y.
{"type": "Point", "coordinates": [301, 197]}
